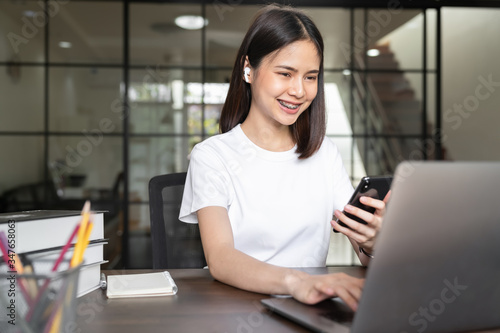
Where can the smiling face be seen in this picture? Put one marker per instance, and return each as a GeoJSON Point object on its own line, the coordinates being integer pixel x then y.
{"type": "Point", "coordinates": [285, 84]}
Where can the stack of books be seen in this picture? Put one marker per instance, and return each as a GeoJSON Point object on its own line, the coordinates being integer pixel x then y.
{"type": "Point", "coordinates": [44, 233]}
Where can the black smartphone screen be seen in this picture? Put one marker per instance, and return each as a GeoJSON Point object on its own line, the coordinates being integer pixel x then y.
{"type": "Point", "coordinates": [374, 187]}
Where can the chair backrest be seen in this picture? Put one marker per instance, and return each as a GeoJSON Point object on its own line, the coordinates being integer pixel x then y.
{"type": "Point", "coordinates": [175, 244]}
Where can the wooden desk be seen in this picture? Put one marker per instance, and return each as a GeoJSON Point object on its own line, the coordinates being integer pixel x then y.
{"type": "Point", "coordinates": [201, 305]}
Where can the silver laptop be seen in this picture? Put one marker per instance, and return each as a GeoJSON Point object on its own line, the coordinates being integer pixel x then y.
{"type": "Point", "coordinates": [437, 258]}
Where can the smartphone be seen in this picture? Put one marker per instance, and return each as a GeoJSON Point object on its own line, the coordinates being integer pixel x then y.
{"type": "Point", "coordinates": [374, 187]}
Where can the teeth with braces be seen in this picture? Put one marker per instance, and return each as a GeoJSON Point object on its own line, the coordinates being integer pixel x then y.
{"type": "Point", "coordinates": [290, 106]}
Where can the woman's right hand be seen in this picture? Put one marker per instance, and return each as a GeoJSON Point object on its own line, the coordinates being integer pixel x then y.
{"type": "Point", "coordinates": [240, 270]}
{"type": "Point", "coordinates": [311, 289]}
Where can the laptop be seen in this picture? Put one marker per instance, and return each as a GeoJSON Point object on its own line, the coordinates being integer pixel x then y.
{"type": "Point", "coordinates": [437, 257]}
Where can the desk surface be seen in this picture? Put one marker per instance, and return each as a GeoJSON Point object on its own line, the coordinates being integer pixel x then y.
{"type": "Point", "coordinates": [201, 305]}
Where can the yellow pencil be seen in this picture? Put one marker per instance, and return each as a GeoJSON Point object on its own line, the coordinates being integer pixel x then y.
{"type": "Point", "coordinates": [86, 240]}
{"type": "Point", "coordinates": [56, 322]}
{"type": "Point", "coordinates": [81, 233]}
{"type": "Point", "coordinates": [31, 282]}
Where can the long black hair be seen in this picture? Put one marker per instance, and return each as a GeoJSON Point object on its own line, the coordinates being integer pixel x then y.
{"type": "Point", "coordinates": [273, 28]}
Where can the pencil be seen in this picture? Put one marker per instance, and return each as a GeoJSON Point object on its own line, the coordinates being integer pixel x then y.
{"type": "Point", "coordinates": [54, 269]}
{"type": "Point", "coordinates": [65, 248]}
{"type": "Point", "coordinates": [86, 240]}
{"type": "Point", "coordinates": [31, 282]}
{"type": "Point", "coordinates": [54, 322]}
{"type": "Point", "coordinates": [3, 248]}
{"type": "Point", "coordinates": [17, 264]}
{"type": "Point", "coordinates": [81, 233]}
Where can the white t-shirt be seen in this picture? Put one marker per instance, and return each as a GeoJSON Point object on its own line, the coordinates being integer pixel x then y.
{"type": "Point", "coordinates": [279, 206]}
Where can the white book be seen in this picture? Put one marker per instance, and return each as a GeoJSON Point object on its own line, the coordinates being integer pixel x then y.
{"type": "Point", "coordinates": [93, 253]}
{"type": "Point", "coordinates": [90, 273]}
{"type": "Point", "coordinates": [140, 285]}
{"type": "Point", "coordinates": [41, 234]}
{"type": "Point", "coordinates": [89, 278]}
{"type": "Point", "coordinates": [43, 229]}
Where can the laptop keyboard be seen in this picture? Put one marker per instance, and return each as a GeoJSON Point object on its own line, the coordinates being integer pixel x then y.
{"type": "Point", "coordinates": [336, 311]}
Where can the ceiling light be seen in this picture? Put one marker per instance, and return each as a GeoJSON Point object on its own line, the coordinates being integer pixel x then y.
{"type": "Point", "coordinates": [29, 13]}
{"type": "Point", "coordinates": [373, 52]}
{"type": "Point", "coordinates": [191, 22]}
{"type": "Point", "coordinates": [65, 45]}
{"type": "Point", "coordinates": [346, 72]}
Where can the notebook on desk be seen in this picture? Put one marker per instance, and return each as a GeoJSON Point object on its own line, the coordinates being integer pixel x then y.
{"type": "Point", "coordinates": [436, 265]}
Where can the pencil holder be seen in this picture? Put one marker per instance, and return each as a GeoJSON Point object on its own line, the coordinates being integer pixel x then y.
{"type": "Point", "coordinates": [39, 302]}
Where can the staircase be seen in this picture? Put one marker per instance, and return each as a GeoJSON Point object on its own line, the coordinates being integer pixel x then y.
{"type": "Point", "coordinates": [403, 110]}
{"type": "Point", "coordinates": [385, 104]}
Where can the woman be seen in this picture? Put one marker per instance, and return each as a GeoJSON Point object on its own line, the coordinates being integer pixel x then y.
{"type": "Point", "coordinates": [265, 190]}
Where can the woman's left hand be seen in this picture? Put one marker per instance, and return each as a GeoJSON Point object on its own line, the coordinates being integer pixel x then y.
{"type": "Point", "coordinates": [363, 234]}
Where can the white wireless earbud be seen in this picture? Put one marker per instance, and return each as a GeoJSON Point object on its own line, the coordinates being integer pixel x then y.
{"type": "Point", "coordinates": [246, 73]}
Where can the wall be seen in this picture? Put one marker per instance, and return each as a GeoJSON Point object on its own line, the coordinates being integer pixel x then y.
{"type": "Point", "coordinates": [471, 50]}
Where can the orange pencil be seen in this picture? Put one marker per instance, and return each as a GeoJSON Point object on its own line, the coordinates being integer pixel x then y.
{"type": "Point", "coordinates": [18, 265]}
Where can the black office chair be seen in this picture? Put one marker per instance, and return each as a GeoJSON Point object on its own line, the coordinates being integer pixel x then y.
{"type": "Point", "coordinates": [175, 244]}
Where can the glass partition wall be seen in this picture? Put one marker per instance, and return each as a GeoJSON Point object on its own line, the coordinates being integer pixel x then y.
{"type": "Point", "coordinates": [100, 96]}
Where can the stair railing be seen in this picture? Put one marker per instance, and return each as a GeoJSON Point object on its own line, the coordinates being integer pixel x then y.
{"type": "Point", "coordinates": [389, 148]}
